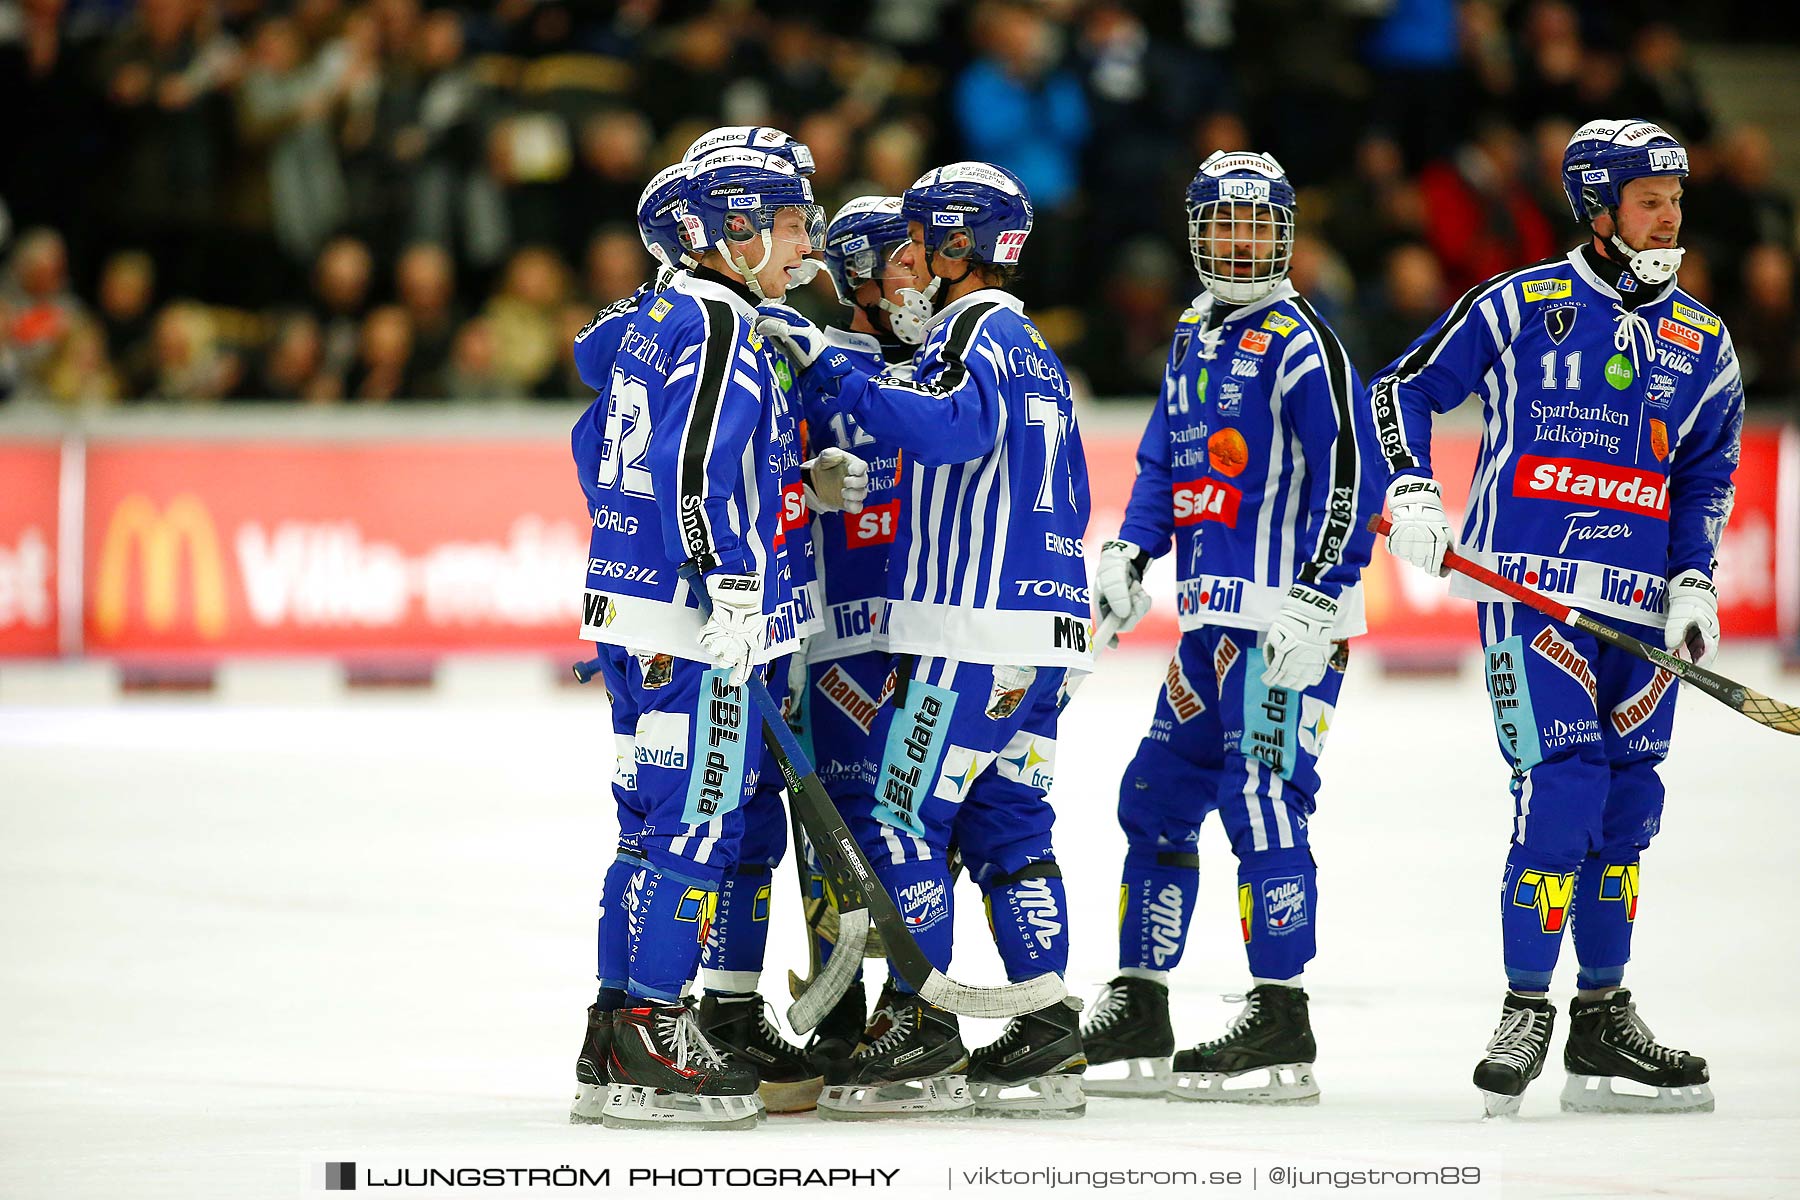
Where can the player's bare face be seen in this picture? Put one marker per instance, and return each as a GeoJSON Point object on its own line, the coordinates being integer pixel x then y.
{"type": "Point", "coordinates": [1241, 239]}
{"type": "Point", "coordinates": [1649, 213]}
{"type": "Point", "coordinates": [788, 246]}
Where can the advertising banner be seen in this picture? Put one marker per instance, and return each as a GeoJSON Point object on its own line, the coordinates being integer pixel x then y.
{"type": "Point", "coordinates": [29, 472]}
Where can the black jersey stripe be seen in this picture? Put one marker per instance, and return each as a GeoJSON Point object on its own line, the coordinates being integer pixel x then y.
{"type": "Point", "coordinates": [697, 436]}
{"type": "Point", "coordinates": [1345, 480]}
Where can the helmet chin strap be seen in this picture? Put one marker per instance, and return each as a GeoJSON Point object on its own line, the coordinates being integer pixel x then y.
{"type": "Point", "coordinates": [747, 271]}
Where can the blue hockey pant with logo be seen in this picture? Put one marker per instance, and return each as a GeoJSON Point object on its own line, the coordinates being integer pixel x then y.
{"type": "Point", "coordinates": [968, 755]}
{"type": "Point", "coordinates": [733, 960]}
{"type": "Point", "coordinates": [843, 697]}
{"type": "Point", "coordinates": [688, 760]}
{"type": "Point", "coordinates": [1223, 741]}
{"type": "Point", "coordinates": [1584, 727]}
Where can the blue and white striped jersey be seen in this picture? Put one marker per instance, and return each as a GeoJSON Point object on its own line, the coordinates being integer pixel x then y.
{"type": "Point", "coordinates": [596, 347]}
{"type": "Point", "coordinates": [987, 562]}
{"type": "Point", "coordinates": [1260, 464]}
{"type": "Point", "coordinates": [1609, 432]}
{"type": "Point", "coordinates": [698, 461]}
{"type": "Point", "coordinates": [851, 549]}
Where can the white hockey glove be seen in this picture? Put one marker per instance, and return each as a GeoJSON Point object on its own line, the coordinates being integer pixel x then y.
{"type": "Point", "coordinates": [734, 633]}
{"type": "Point", "coordinates": [792, 333]}
{"type": "Point", "coordinates": [1692, 630]}
{"type": "Point", "coordinates": [1299, 642]}
{"type": "Point", "coordinates": [1118, 579]}
{"type": "Point", "coordinates": [836, 481]}
{"type": "Point", "coordinates": [1421, 531]}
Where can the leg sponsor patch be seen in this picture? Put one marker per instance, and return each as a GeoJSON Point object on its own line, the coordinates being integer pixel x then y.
{"type": "Point", "coordinates": [848, 697]}
{"type": "Point", "coordinates": [1271, 725]}
{"type": "Point", "coordinates": [1636, 709]}
{"type": "Point", "coordinates": [716, 779]}
{"type": "Point", "coordinates": [1514, 720]}
{"type": "Point", "coordinates": [1548, 894]}
{"type": "Point", "coordinates": [625, 761]}
{"type": "Point", "coordinates": [1226, 654]}
{"type": "Point", "coordinates": [1315, 722]}
{"type": "Point", "coordinates": [1284, 904]}
{"type": "Point", "coordinates": [1008, 690]}
{"type": "Point", "coordinates": [1029, 759]}
{"type": "Point", "coordinates": [1562, 653]}
{"type": "Point", "coordinates": [662, 741]}
{"type": "Point", "coordinates": [962, 767]}
{"type": "Point", "coordinates": [924, 903]}
{"type": "Point", "coordinates": [915, 749]}
{"type": "Point", "coordinates": [1184, 701]}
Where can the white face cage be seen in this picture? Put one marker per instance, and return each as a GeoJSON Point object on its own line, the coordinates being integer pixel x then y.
{"type": "Point", "coordinates": [1241, 248]}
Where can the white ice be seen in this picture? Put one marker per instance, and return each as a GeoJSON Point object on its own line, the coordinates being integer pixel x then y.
{"type": "Point", "coordinates": [237, 942]}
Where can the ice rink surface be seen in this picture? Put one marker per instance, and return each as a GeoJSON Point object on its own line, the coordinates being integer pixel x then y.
{"type": "Point", "coordinates": [239, 942]}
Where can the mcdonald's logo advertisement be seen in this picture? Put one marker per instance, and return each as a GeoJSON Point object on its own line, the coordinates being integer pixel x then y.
{"type": "Point", "coordinates": [232, 548]}
{"type": "Point", "coordinates": [29, 517]}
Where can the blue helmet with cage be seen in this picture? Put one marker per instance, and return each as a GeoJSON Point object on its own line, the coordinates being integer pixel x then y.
{"type": "Point", "coordinates": [860, 244]}
{"type": "Point", "coordinates": [860, 239]}
{"type": "Point", "coordinates": [731, 201]}
{"type": "Point", "coordinates": [981, 200]}
{"type": "Point", "coordinates": [659, 217]}
{"type": "Point", "coordinates": [1600, 160]}
{"type": "Point", "coordinates": [766, 138]}
{"type": "Point", "coordinates": [1240, 210]}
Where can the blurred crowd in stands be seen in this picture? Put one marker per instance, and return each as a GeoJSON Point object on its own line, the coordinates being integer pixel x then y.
{"type": "Point", "coordinates": [381, 200]}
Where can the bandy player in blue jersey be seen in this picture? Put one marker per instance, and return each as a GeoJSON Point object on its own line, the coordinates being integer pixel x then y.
{"type": "Point", "coordinates": [1260, 466]}
{"type": "Point", "coordinates": [1611, 407]}
{"type": "Point", "coordinates": [988, 608]}
{"type": "Point", "coordinates": [846, 675]}
{"type": "Point", "coordinates": [699, 480]}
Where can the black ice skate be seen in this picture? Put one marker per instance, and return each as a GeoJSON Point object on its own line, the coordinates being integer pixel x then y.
{"type": "Point", "coordinates": [913, 1065]}
{"type": "Point", "coordinates": [1609, 1044]}
{"type": "Point", "coordinates": [590, 1068]}
{"type": "Point", "coordinates": [1271, 1041]}
{"type": "Point", "coordinates": [1129, 1025]}
{"type": "Point", "coordinates": [1516, 1053]}
{"type": "Point", "coordinates": [1034, 1068]}
{"type": "Point", "coordinates": [740, 1027]}
{"type": "Point", "coordinates": [840, 1031]}
{"type": "Point", "coordinates": [665, 1074]}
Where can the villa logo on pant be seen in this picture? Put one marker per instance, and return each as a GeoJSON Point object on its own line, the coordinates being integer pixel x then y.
{"type": "Point", "coordinates": [1549, 894]}
{"type": "Point", "coordinates": [1621, 883]}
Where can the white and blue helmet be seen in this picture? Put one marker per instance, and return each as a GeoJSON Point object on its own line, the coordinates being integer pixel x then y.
{"type": "Point", "coordinates": [1240, 209]}
{"type": "Point", "coordinates": [731, 198]}
{"type": "Point", "coordinates": [766, 138]}
{"type": "Point", "coordinates": [659, 217]}
{"type": "Point", "coordinates": [986, 201]}
{"type": "Point", "coordinates": [1600, 160]}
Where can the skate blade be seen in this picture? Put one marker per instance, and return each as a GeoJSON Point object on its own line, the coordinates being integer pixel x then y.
{"type": "Point", "coordinates": [939, 1096]}
{"type": "Point", "coordinates": [589, 1105]}
{"type": "Point", "coordinates": [800, 1095]}
{"type": "Point", "coordinates": [1287, 1083]}
{"type": "Point", "coordinates": [1048, 1097]}
{"type": "Point", "coordinates": [1143, 1077]}
{"type": "Point", "coordinates": [1596, 1094]}
{"type": "Point", "coordinates": [632, 1107]}
{"type": "Point", "coordinates": [1499, 1104]}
